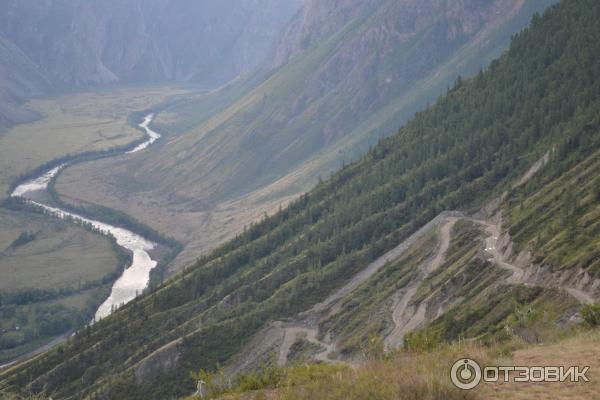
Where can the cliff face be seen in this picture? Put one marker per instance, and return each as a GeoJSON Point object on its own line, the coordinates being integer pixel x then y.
{"type": "Point", "coordinates": [318, 20]}
{"type": "Point", "coordinates": [98, 42]}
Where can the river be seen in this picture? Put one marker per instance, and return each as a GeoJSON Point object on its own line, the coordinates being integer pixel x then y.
{"type": "Point", "coordinates": [135, 278]}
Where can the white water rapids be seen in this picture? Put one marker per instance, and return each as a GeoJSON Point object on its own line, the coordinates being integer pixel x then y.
{"type": "Point", "coordinates": [135, 278]}
{"type": "Point", "coordinates": [152, 136]}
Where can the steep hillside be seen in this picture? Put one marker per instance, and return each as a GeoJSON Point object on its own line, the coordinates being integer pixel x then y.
{"type": "Point", "coordinates": [91, 42]}
{"type": "Point", "coordinates": [370, 233]}
{"type": "Point", "coordinates": [366, 55]}
{"type": "Point", "coordinates": [347, 72]}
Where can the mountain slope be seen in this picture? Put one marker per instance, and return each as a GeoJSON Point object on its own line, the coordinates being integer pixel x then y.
{"type": "Point", "coordinates": [347, 72]}
{"type": "Point", "coordinates": [466, 150]}
{"type": "Point", "coordinates": [20, 79]}
{"type": "Point", "coordinates": [357, 67]}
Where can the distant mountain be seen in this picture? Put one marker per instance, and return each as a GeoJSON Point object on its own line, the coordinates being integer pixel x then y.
{"type": "Point", "coordinates": [80, 43]}
{"type": "Point", "coordinates": [514, 151]}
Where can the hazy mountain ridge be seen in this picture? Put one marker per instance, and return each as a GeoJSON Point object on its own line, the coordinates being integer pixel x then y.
{"type": "Point", "coordinates": [20, 79]}
{"type": "Point", "coordinates": [91, 42]}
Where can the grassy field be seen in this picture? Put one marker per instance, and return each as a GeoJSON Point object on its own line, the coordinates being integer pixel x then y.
{"type": "Point", "coordinates": [60, 254]}
{"type": "Point", "coordinates": [580, 350]}
{"type": "Point", "coordinates": [55, 256]}
{"type": "Point", "coordinates": [74, 123]}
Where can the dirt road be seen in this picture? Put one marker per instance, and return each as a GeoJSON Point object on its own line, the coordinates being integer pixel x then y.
{"type": "Point", "coordinates": [292, 333]}
{"type": "Point", "coordinates": [407, 318]}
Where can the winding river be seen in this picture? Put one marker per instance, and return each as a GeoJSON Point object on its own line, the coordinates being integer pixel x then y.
{"type": "Point", "coordinates": [135, 278]}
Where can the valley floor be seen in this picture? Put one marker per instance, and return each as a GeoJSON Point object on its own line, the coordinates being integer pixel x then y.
{"type": "Point", "coordinates": [53, 274]}
{"type": "Point", "coordinates": [75, 123]}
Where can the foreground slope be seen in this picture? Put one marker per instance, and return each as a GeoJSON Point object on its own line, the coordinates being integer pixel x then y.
{"type": "Point", "coordinates": [346, 73]}
{"type": "Point", "coordinates": [470, 148]}
{"type": "Point", "coordinates": [425, 375]}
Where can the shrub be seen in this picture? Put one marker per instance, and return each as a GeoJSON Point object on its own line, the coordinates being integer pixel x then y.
{"type": "Point", "coordinates": [591, 314]}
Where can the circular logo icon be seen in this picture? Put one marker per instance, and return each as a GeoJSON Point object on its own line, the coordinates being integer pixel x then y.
{"type": "Point", "coordinates": [465, 374]}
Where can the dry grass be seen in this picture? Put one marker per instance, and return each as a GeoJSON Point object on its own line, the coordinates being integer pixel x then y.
{"type": "Point", "coordinates": [402, 376]}
{"type": "Point", "coordinates": [426, 376]}
{"type": "Point", "coordinates": [581, 350]}
{"type": "Point", "coordinates": [423, 376]}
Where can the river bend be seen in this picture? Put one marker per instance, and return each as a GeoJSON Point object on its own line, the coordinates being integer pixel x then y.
{"type": "Point", "coordinates": [135, 278]}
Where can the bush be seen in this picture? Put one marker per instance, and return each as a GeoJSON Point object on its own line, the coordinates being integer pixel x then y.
{"type": "Point", "coordinates": [591, 314]}
{"type": "Point", "coordinates": [424, 340]}
{"type": "Point", "coordinates": [23, 239]}
{"type": "Point", "coordinates": [10, 340]}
